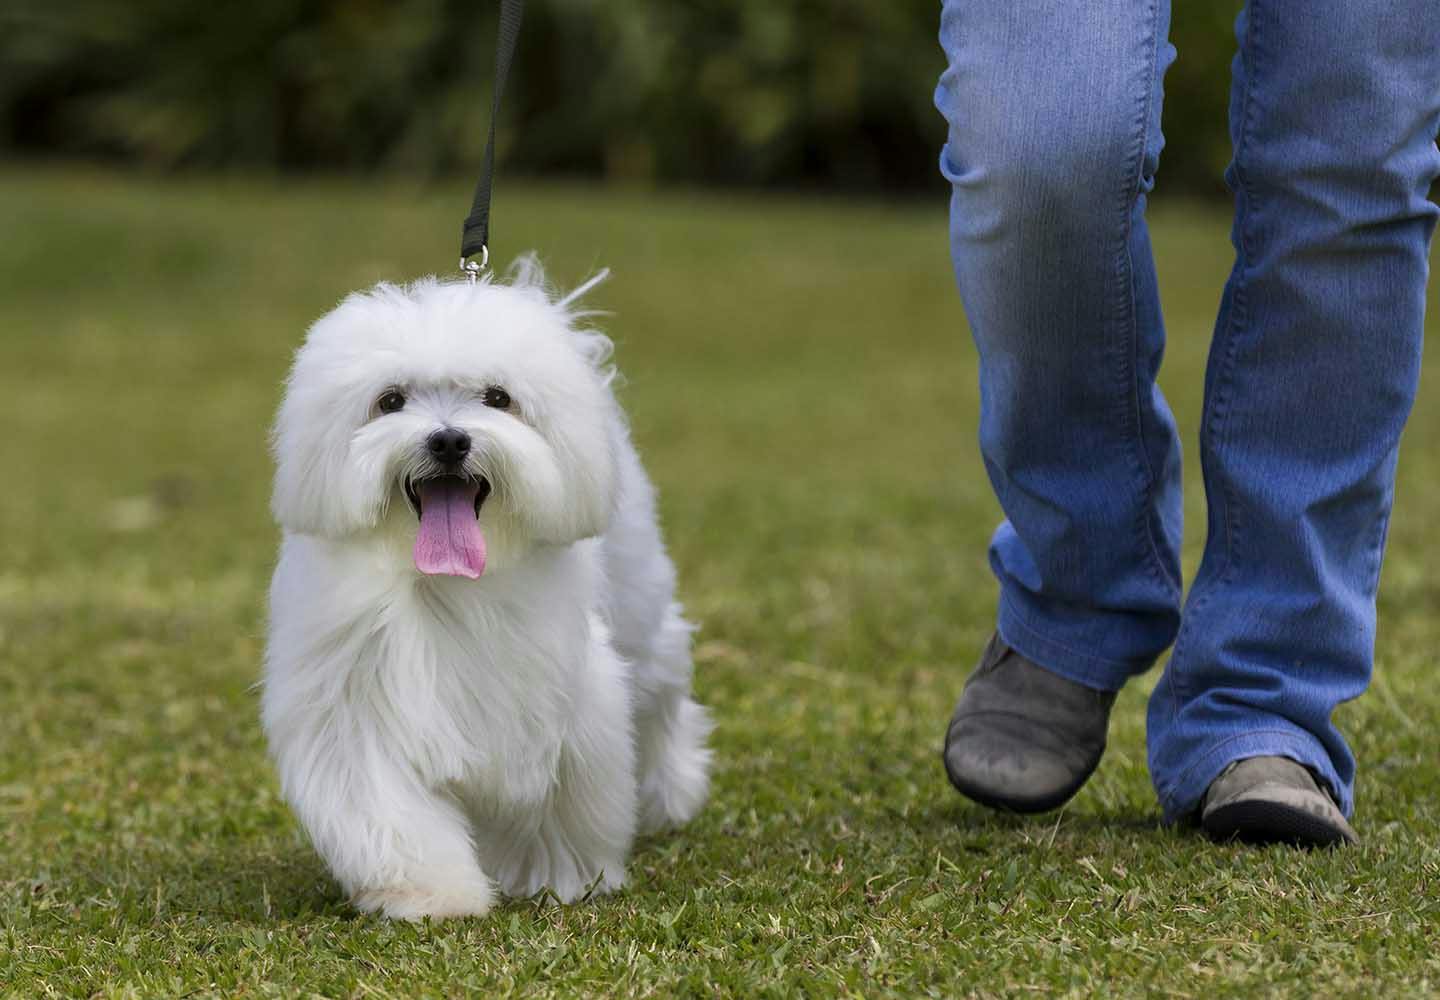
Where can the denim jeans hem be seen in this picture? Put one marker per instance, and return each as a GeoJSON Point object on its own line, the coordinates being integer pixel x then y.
{"type": "Point", "coordinates": [1181, 797]}
{"type": "Point", "coordinates": [1098, 672]}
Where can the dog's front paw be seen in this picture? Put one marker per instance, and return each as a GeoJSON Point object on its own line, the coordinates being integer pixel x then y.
{"type": "Point", "coordinates": [437, 898]}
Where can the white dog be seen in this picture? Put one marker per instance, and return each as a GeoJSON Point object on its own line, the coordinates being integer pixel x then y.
{"type": "Point", "coordinates": [476, 676]}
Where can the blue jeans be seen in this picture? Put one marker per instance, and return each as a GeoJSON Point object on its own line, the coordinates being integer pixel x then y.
{"type": "Point", "coordinates": [1054, 139]}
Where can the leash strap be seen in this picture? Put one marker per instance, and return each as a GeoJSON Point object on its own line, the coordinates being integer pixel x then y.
{"type": "Point", "coordinates": [475, 234]}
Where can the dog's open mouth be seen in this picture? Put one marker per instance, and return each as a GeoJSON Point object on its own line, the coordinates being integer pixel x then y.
{"type": "Point", "coordinates": [478, 485]}
{"type": "Point", "coordinates": [449, 542]}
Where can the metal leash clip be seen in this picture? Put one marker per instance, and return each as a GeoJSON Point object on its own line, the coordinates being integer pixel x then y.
{"type": "Point", "coordinates": [472, 268]}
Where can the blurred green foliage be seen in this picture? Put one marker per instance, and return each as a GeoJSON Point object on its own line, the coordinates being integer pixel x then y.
{"type": "Point", "coordinates": [750, 92]}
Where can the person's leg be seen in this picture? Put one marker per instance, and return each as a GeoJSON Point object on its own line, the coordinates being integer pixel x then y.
{"type": "Point", "coordinates": [1312, 372]}
{"type": "Point", "coordinates": [1054, 138]}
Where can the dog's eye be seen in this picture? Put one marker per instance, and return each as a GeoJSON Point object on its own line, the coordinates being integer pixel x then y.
{"type": "Point", "coordinates": [390, 400]}
{"type": "Point", "coordinates": [496, 397]}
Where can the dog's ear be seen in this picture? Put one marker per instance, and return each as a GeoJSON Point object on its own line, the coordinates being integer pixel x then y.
{"type": "Point", "coordinates": [317, 491]}
{"type": "Point", "coordinates": [594, 482]}
{"type": "Point", "coordinates": [599, 497]}
{"type": "Point", "coordinates": [307, 461]}
{"type": "Point", "coordinates": [595, 349]}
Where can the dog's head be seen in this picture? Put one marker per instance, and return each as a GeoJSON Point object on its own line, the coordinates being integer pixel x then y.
{"type": "Point", "coordinates": [476, 416]}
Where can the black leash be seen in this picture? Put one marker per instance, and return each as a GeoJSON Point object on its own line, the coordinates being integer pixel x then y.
{"type": "Point", "coordinates": [475, 234]}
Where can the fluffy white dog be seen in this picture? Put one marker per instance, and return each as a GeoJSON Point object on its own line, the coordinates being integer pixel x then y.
{"type": "Point", "coordinates": [477, 675]}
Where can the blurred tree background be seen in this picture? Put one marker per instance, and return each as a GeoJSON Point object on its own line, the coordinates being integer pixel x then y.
{"type": "Point", "coordinates": [788, 93]}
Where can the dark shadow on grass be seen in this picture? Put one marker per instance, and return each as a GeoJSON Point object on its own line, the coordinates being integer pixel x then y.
{"type": "Point", "coordinates": [944, 817]}
{"type": "Point", "coordinates": [255, 884]}
{"type": "Point", "coordinates": [240, 883]}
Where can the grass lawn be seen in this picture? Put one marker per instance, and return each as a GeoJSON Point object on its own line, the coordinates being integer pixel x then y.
{"type": "Point", "coordinates": [802, 386]}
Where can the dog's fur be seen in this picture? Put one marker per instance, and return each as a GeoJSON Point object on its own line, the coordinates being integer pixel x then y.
{"type": "Point", "coordinates": [440, 736]}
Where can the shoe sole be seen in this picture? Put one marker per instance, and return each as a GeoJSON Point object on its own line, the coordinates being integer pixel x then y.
{"type": "Point", "coordinates": [1264, 821]}
{"type": "Point", "coordinates": [989, 799]}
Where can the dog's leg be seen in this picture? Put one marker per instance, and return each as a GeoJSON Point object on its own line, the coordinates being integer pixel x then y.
{"type": "Point", "coordinates": [430, 868]}
{"type": "Point", "coordinates": [671, 731]}
{"type": "Point", "coordinates": [674, 761]}
{"type": "Point", "coordinates": [396, 847]}
{"type": "Point", "coordinates": [577, 840]}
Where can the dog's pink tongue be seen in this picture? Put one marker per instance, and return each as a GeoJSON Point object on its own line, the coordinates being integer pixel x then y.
{"type": "Point", "coordinates": [449, 542]}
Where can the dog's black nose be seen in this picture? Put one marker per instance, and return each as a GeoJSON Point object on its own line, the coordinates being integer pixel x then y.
{"type": "Point", "coordinates": [449, 446]}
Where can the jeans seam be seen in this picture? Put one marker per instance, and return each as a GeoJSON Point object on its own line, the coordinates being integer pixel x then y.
{"type": "Point", "coordinates": [1377, 541]}
{"type": "Point", "coordinates": [1219, 410]}
{"type": "Point", "coordinates": [1240, 316]}
{"type": "Point", "coordinates": [1130, 192]}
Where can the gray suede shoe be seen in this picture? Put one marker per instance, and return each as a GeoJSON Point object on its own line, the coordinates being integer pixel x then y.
{"type": "Point", "coordinates": [1023, 738]}
{"type": "Point", "coordinates": [1273, 800]}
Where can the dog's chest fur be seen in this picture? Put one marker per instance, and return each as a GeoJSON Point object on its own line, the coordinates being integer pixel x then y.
{"type": "Point", "coordinates": [471, 683]}
{"type": "Point", "coordinates": [484, 685]}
